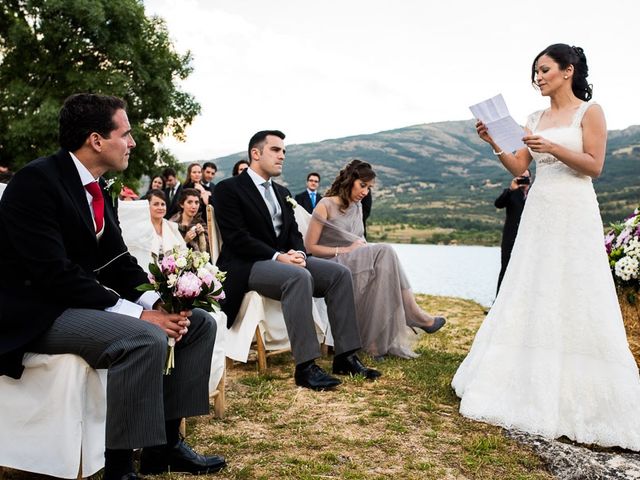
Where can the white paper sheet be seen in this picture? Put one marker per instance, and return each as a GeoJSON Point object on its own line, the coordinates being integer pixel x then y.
{"type": "Point", "coordinates": [504, 130]}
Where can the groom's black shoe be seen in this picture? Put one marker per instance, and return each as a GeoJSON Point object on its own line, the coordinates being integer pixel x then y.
{"type": "Point", "coordinates": [179, 458]}
{"type": "Point", "coordinates": [351, 365]}
{"type": "Point", "coordinates": [313, 377]}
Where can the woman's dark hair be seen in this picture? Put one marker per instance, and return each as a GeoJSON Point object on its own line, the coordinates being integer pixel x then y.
{"type": "Point", "coordinates": [565, 55]}
{"type": "Point", "coordinates": [235, 172]}
{"type": "Point", "coordinates": [156, 193]}
{"type": "Point", "coordinates": [341, 186]}
{"type": "Point", "coordinates": [187, 192]}
{"type": "Point", "coordinates": [85, 113]}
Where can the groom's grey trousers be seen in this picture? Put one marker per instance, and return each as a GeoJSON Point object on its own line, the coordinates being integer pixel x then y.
{"type": "Point", "coordinates": [139, 397]}
{"type": "Point", "coordinates": [295, 286]}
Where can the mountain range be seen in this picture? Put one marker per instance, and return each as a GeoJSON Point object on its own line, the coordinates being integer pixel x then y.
{"type": "Point", "coordinates": [442, 176]}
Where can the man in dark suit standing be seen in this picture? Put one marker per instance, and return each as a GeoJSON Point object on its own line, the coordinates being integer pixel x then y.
{"type": "Point", "coordinates": [172, 191]}
{"type": "Point", "coordinates": [69, 286]}
{"type": "Point", "coordinates": [263, 250]}
{"type": "Point", "coordinates": [310, 197]}
{"type": "Point", "coordinates": [512, 199]}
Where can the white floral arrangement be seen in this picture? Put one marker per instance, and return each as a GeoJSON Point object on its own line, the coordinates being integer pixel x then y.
{"type": "Point", "coordinates": [291, 201]}
{"type": "Point", "coordinates": [623, 247]}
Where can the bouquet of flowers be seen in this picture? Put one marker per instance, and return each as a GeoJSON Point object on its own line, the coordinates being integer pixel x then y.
{"type": "Point", "coordinates": [184, 279]}
{"type": "Point", "coordinates": [623, 247]}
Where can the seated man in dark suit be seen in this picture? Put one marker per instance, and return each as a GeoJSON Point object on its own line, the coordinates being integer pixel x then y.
{"type": "Point", "coordinates": [172, 191]}
{"type": "Point", "coordinates": [310, 197]}
{"type": "Point", "coordinates": [263, 250]}
{"type": "Point", "coordinates": [68, 285]}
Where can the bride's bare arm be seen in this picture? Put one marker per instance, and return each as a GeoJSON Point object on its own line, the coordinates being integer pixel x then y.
{"type": "Point", "coordinates": [594, 144]}
{"type": "Point", "coordinates": [516, 163]}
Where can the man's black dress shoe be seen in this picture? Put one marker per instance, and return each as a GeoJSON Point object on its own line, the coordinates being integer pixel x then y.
{"type": "Point", "coordinates": [351, 365]}
{"type": "Point", "coordinates": [315, 378]}
{"type": "Point", "coordinates": [179, 458]}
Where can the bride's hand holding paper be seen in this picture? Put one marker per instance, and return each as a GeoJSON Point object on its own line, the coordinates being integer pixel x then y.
{"type": "Point", "coordinates": [539, 144]}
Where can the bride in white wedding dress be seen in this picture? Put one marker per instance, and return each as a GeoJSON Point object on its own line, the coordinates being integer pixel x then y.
{"type": "Point", "coordinates": [551, 357]}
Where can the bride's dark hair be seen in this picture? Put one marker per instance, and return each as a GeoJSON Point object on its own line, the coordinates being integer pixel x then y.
{"type": "Point", "coordinates": [565, 55]}
{"type": "Point", "coordinates": [341, 186]}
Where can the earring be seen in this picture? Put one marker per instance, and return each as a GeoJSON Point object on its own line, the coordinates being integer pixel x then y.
{"type": "Point", "coordinates": [566, 77]}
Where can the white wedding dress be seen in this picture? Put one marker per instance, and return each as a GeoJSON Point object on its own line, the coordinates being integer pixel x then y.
{"type": "Point", "coordinates": [552, 358]}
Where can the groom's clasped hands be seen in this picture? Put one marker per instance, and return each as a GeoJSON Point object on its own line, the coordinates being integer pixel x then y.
{"type": "Point", "coordinates": [293, 257]}
{"type": "Point", "coordinates": [175, 325]}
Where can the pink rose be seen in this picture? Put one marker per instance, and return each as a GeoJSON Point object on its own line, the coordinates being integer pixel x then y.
{"type": "Point", "coordinates": [188, 286]}
{"type": "Point", "coordinates": [168, 264]}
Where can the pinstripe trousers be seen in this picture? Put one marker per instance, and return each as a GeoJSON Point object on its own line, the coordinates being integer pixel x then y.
{"type": "Point", "coordinates": [139, 397]}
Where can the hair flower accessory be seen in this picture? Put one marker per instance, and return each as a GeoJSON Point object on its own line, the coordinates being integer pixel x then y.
{"type": "Point", "coordinates": [291, 201]}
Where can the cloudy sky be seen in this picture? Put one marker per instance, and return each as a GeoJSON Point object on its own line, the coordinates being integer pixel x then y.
{"type": "Point", "coordinates": [333, 68]}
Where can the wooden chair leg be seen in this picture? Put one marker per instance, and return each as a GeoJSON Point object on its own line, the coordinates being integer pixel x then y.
{"type": "Point", "coordinates": [220, 401]}
{"type": "Point", "coordinates": [262, 352]}
{"type": "Point", "coordinates": [324, 349]}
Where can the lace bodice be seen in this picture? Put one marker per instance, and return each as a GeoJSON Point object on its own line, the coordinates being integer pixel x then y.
{"type": "Point", "coordinates": [568, 136]}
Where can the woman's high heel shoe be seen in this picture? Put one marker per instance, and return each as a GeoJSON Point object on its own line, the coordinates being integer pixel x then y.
{"type": "Point", "coordinates": [438, 323]}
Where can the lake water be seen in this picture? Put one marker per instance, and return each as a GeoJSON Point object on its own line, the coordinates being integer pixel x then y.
{"type": "Point", "coordinates": [456, 271]}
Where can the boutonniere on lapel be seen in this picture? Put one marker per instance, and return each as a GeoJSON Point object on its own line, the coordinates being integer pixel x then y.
{"type": "Point", "coordinates": [291, 201]}
{"type": "Point", "coordinates": [114, 187]}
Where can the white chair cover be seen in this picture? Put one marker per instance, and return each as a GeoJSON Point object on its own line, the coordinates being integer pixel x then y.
{"type": "Point", "coordinates": [137, 230]}
{"type": "Point", "coordinates": [55, 412]}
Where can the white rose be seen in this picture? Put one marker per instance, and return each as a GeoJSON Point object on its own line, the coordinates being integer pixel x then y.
{"type": "Point", "coordinates": [627, 268]}
{"type": "Point", "coordinates": [181, 262]}
{"type": "Point", "coordinates": [172, 279]}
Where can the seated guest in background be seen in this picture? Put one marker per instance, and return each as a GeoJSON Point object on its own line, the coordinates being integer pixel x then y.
{"type": "Point", "coordinates": [172, 191]}
{"type": "Point", "coordinates": [239, 167]}
{"type": "Point", "coordinates": [310, 197]}
{"type": "Point", "coordinates": [190, 223]}
{"type": "Point", "coordinates": [194, 180]}
{"type": "Point", "coordinates": [156, 183]}
{"type": "Point", "coordinates": [127, 194]}
{"type": "Point", "coordinates": [512, 199]}
{"type": "Point", "coordinates": [5, 172]}
{"type": "Point", "coordinates": [385, 304]}
{"type": "Point", "coordinates": [209, 170]}
{"type": "Point", "coordinates": [68, 285]}
{"type": "Point", "coordinates": [262, 250]}
{"type": "Point", "coordinates": [167, 233]}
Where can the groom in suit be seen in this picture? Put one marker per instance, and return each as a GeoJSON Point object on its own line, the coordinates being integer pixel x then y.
{"type": "Point", "coordinates": [262, 250]}
{"type": "Point", "coordinates": [310, 197]}
{"type": "Point", "coordinates": [68, 285]}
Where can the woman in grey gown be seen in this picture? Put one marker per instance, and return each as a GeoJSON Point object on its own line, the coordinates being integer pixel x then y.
{"type": "Point", "coordinates": [385, 304]}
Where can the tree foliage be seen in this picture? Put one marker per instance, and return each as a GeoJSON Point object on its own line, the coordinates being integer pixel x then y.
{"type": "Point", "coordinates": [50, 49]}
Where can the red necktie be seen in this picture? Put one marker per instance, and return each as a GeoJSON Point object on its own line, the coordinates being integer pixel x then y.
{"type": "Point", "coordinates": [97, 204]}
